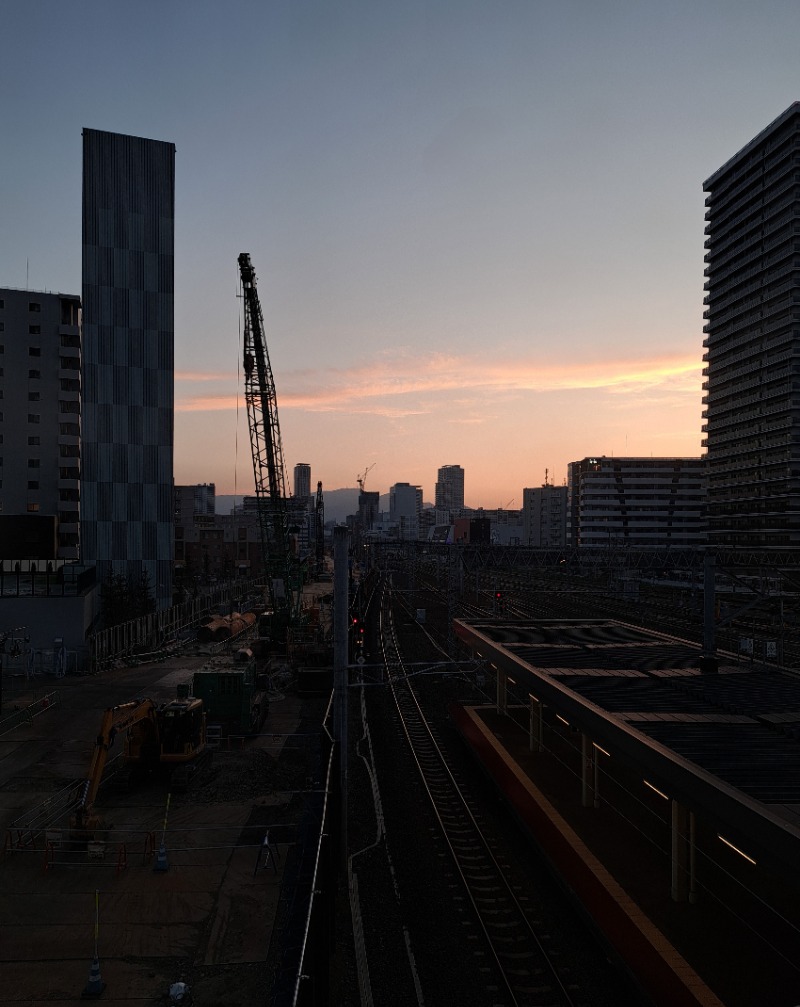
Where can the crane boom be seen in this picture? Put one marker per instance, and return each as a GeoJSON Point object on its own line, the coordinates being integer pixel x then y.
{"type": "Point", "coordinates": [319, 530]}
{"type": "Point", "coordinates": [266, 448]}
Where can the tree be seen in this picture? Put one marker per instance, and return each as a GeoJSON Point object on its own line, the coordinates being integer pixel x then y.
{"type": "Point", "coordinates": [123, 599]}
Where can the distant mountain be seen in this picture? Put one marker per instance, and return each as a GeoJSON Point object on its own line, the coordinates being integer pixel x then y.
{"type": "Point", "coordinates": [339, 504]}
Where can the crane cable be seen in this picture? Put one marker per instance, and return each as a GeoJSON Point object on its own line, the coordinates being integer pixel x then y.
{"type": "Point", "coordinates": [238, 385]}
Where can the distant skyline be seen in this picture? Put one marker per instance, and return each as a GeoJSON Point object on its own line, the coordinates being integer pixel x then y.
{"type": "Point", "coordinates": [477, 226]}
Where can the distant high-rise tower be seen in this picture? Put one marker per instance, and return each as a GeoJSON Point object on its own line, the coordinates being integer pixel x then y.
{"type": "Point", "coordinates": [128, 336]}
{"type": "Point", "coordinates": [450, 489]}
{"type": "Point", "coordinates": [752, 341]}
{"type": "Point", "coordinates": [405, 509]}
{"type": "Point", "coordinates": [302, 481]}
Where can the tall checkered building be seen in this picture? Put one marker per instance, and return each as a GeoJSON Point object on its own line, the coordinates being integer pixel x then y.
{"type": "Point", "coordinates": [128, 336]}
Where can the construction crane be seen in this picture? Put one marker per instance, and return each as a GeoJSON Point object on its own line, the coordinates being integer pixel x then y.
{"type": "Point", "coordinates": [319, 530]}
{"type": "Point", "coordinates": [362, 479]}
{"type": "Point", "coordinates": [268, 467]}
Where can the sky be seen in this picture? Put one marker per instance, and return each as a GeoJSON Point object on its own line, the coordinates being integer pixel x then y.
{"type": "Point", "coordinates": [477, 225]}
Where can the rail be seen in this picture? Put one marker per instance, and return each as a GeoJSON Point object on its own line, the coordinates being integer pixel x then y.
{"type": "Point", "coordinates": [517, 949]}
{"type": "Point", "coordinates": [48, 701]}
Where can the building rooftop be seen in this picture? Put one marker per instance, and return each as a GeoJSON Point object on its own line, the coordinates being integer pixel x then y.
{"type": "Point", "coordinates": [726, 745]}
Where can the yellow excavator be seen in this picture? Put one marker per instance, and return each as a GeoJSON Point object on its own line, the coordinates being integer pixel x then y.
{"type": "Point", "coordinates": [170, 735]}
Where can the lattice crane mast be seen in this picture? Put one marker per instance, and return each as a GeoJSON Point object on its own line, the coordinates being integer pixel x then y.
{"type": "Point", "coordinates": [319, 530]}
{"type": "Point", "coordinates": [267, 450]}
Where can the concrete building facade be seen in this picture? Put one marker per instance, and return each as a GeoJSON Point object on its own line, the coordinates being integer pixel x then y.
{"type": "Point", "coordinates": [646, 503]}
{"type": "Point", "coordinates": [449, 497]}
{"type": "Point", "coordinates": [128, 352]}
{"type": "Point", "coordinates": [752, 341]}
{"type": "Point", "coordinates": [302, 481]}
{"type": "Point", "coordinates": [544, 516]}
{"type": "Point", "coordinates": [192, 501]}
{"type": "Point", "coordinates": [40, 422]}
{"type": "Point", "coordinates": [405, 509]}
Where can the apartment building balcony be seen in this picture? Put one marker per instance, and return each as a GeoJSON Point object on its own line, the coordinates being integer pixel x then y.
{"type": "Point", "coordinates": [70, 348]}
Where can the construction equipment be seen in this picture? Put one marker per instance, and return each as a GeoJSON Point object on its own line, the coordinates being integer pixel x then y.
{"type": "Point", "coordinates": [284, 581]}
{"type": "Point", "coordinates": [319, 531]}
{"type": "Point", "coordinates": [235, 694]}
{"type": "Point", "coordinates": [170, 735]}
{"type": "Point", "coordinates": [362, 479]}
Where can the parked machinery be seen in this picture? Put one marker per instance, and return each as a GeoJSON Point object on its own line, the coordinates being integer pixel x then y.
{"type": "Point", "coordinates": [235, 695]}
{"type": "Point", "coordinates": [169, 735]}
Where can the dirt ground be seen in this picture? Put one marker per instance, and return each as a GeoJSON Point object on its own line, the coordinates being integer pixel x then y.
{"type": "Point", "coordinates": [206, 918]}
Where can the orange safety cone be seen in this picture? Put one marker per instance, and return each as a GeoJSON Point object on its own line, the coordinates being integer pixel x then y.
{"type": "Point", "coordinates": [95, 985]}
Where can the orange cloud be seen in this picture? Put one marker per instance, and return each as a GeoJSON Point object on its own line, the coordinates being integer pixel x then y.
{"type": "Point", "coordinates": [385, 385]}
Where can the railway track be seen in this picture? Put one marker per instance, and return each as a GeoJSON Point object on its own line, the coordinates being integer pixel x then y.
{"type": "Point", "coordinates": [529, 969]}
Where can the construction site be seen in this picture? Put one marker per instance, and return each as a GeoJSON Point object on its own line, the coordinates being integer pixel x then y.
{"type": "Point", "coordinates": [162, 886]}
{"type": "Point", "coordinates": [154, 809]}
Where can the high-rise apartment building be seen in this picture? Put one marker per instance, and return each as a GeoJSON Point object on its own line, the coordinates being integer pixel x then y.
{"type": "Point", "coordinates": [544, 516]}
{"type": "Point", "coordinates": [128, 336]}
{"type": "Point", "coordinates": [649, 503]}
{"type": "Point", "coordinates": [450, 488]}
{"type": "Point", "coordinates": [752, 341]}
{"type": "Point", "coordinates": [302, 481]}
{"type": "Point", "coordinates": [405, 509]}
{"type": "Point", "coordinates": [40, 432]}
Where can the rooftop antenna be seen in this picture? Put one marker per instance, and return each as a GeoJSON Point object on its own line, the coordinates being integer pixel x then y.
{"type": "Point", "coordinates": [27, 272]}
{"type": "Point", "coordinates": [545, 476]}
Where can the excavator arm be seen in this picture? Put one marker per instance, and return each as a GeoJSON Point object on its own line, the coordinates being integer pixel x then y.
{"type": "Point", "coordinates": [115, 719]}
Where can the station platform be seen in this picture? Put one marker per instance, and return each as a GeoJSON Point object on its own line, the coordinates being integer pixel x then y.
{"type": "Point", "coordinates": [704, 953]}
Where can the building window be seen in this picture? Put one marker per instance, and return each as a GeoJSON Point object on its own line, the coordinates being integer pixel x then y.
{"type": "Point", "coordinates": [33, 484]}
{"type": "Point", "coordinates": [34, 330]}
{"type": "Point", "coordinates": [34, 441]}
{"type": "Point", "coordinates": [34, 374]}
{"type": "Point", "coordinates": [33, 463]}
{"type": "Point", "coordinates": [34, 351]}
{"type": "Point", "coordinates": [33, 417]}
{"type": "Point", "coordinates": [32, 508]}
{"type": "Point", "coordinates": [34, 396]}
{"type": "Point", "coordinates": [2, 326]}
{"type": "Point", "coordinates": [2, 303]}
{"type": "Point", "coordinates": [34, 306]}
